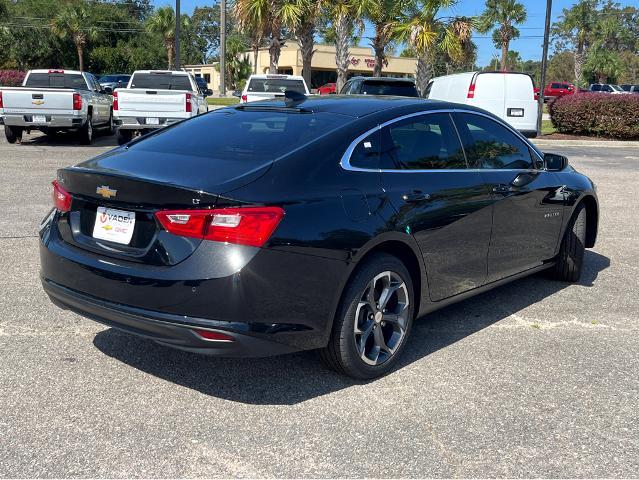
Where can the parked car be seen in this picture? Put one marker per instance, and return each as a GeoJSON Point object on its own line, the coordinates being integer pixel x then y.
{"type": "Point", "coordinates": [56, 100]}
{"type": "Point", "coordinates": [509, 95]}
{"type": "Point", "coordinates": [630, 88]}
{"type": "Point", "coordinates": [264, 87]}
{"type": "Point", "coordinates": [115, 80]}
{"type": "Point", "coordinates": [155, 99]}
{"type": "Point", "coordinates": [326, 223]}
{"type": "Point", "coordinates": [557, 89]}
{"type": "Point", "coordinates": [327, 89]}
{"type": "Point", "coordinates": [607, 88]}
{"type": "Point", "coordinates": [203, 86]}
{"type": "Point", "coordinates": [402, 87]}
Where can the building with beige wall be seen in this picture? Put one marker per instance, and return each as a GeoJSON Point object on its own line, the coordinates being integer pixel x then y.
{"type": "Point", "coordinates": [323, 70]}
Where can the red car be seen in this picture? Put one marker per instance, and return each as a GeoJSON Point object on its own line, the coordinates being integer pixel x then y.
{"type": "Point", "coordinates": [558, 89]}
{"type": "Point", "coordinates": [327, 89]}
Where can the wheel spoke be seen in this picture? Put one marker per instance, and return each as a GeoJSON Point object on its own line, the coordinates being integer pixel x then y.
{"type": "Point", "coordinates": [361, 343]}
{"type": "Point", "coordinates": [387, 294]}
{"type": "Point", "coordinates": [380, 342]}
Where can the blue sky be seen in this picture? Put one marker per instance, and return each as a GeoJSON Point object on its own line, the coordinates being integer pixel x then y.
{"type": "Point", "coordinates": [528, 45]}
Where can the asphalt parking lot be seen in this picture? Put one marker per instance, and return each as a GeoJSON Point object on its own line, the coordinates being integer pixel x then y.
{"type": "Point", "coordinates": [534, 379]}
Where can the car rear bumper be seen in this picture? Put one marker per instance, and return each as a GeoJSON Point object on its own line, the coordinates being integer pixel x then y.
{"type": "Point", "coordinates": [139, 123]}
{"type": "Point", "coordinates": [52, 121]}
{"type": "Point", "coordinates": [176, 331]}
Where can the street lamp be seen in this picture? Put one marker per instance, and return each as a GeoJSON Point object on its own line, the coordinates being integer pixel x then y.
{"type": "Point", "coordinates": [222, 47]}
{"type": "Point", "coordinates": [544, 60]}
{"type": "Point", "coordinates": [177, 34]}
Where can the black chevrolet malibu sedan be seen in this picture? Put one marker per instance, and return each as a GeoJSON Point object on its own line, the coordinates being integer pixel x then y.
{"type": "Point", "coordinates": [327, 223]}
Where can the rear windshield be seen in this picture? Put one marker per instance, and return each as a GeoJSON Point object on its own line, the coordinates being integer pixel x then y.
{"type": "Point", "coordinates": [114, 78]}
{"type": "Point", "coordinates": [275, 85]}
{"type": "Point", "coordinates": [161, 81]}
{"type": "Point", "coordinates": [231, 135]}
{"type": "Point", "coordinates": [56, 80]}
{"type": "Point", "coordinates": [383, 87]}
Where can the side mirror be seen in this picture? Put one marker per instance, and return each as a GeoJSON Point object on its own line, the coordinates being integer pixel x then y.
{"type": "Point", "coordinates": [237, 94]}
{"type": "Point", "coordinates": [554, 162]}
{"type": "Point", "coordinates": [208, 92]}
{"type": "Point", "coordinates": [108, 90]}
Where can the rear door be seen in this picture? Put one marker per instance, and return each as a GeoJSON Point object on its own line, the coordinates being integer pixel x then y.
{"type": "Point", "coordinates": [520, 106]}
{"type": "Point", "coordinates": [528, 201]}
{"type": "Point", "coordinates": [489, 93]}
{"type": "Point", "coordinates": [443, 204]}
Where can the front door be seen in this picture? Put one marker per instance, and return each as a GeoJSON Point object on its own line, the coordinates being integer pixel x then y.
{"type": "Point", "coordinates": [528, 201]}
{"type": "Point", "coordinates": [438, 200]}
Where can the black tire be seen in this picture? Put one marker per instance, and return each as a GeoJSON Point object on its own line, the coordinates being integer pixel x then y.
{"type": "Point", "coordinates": [124, 136]}
{"type": "Point", "coordinates": [352, 346]}
{"type": "Point", "coordinates": [571, 253]}
{"type": "Point", "coordinates": [86, 132]}
{"type": "Point", "coordinates": [110, 129]}
{"type": "Point", "coordinates": [13, 134]}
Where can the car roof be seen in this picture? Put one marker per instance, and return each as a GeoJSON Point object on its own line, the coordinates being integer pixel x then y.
{"type": "Point", "coordinates": [361, 105]}
{"type": "Point", "coordinates": [390, 79]}
{"type": "Point", "coordinates": [275, 76]}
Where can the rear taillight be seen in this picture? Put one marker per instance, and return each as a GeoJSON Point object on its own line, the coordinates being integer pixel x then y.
{"type": "Point", "coordinates": [115, 101]}
{"type": "Point", "coordinates": [244, 98]}
{"type": "Point", "coordinates": [215, 336]}
{"type": "Point", "coordinates": [61, 198]}
{"type": "Point", "coordinates": [77, 101]}
{"type": "Point", "coordinates": [243, 226]}
{"type": "Point", "coordinates": [189, 108]}
{"type": "Point", "coordinates": [471, 89]}
{"type": "Point", "coordinates": [1, 100]}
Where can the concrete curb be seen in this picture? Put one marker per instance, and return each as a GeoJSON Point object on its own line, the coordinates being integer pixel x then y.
{"type": "Point", "coordinates": [587, 143]}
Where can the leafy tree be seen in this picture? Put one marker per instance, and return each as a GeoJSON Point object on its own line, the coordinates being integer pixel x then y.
{"type": "Point", "coordinates": [383, 14]}
{"type": "Point", "coordinates": [305, 31]}
{"type": "Point", "coordinates": [602, 65]}
{"type": "Point", "coordinates": [561, 67]}
{"type": "Point", "coordinates": [238, 65]}
{"type": "Point", "coordinates": [630, 73]}
{"type": "Point", "coordinates": [502, 15]}
{"type": "Point", "coordinates": [205, 22]}
{"type": "Point", "coordinates": [74, 21]}
{"type": "Point", "coordinates": [162, 23]}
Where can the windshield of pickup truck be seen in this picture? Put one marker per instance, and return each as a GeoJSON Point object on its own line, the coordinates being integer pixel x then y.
{"type": "Point", "coordinates": [275, 85]}
{"type": "Point", "coordinates": [56, 80]}
{"type": "Point", "coordinates": [161, 81]}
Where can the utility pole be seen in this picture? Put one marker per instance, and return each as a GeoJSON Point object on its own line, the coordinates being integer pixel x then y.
{"type": "Point", "coordinates": [544, 60]}
{"type": "Point", "coordinates": [222, 47]}
{"type": "Point", "coordinates": [177, 34]}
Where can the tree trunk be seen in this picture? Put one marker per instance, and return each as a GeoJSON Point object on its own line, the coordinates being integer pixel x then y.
{"type": "Point", "coordinates": [305, 36]}
{"type": "Point", "coordinates": [505, 44]}
{"type": "Point", "coordinates": [256, 50]}
{"type": "Point", "coordinates": [80, 50]}
{"type": "Point", "coordinates": [580, 57]}
{"type": "Point", "coordinates": [275, 47]}
{"type": "Point", "coordinates": [424, 72]}
{"type": "Point", "coordinates": [169, 54]}
{"type": "Point", "coordinates": [342, 37]}
{"type": "Point", "coordinates": [378, 48]}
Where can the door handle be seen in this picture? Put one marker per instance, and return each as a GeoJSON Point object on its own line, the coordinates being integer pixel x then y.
{"type": "Point", "coordinates": [415, 196]}
{"type": "Point", "coordinates": [503, 189]}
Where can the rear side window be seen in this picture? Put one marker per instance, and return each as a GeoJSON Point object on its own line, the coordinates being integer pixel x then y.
{"type": "Point", "coordinates": [231, 135]}
{"type": "Point", "coordinates": [556, 85]}
{"type": "Point", "coordinates": [383, 87]}
{"type": "Point", "coordinates": [596, 88]}
{"type": "Point", "coordinates": [427, 142]}
{"type": "Point", "coordinates": [161, 81]}
{"type": "Point", "coordinates": [366, 152]}
{"type": "Point", "coordinates": [275, 85]}
{"type": "Point", "coordinates": [490, 145]}
{"type": "Point", "coordinates": [56, 80]}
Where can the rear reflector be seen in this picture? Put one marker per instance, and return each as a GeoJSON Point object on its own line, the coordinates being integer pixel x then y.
{"type": "Point", "coordinates": [77, 101]}
{"type": "Point", "coordinates": [251, 226]}
{"type": "Point", "coordinates": [115, 101]}
{"type": "Point", "coordinates": [61, 198]}
{"type": "Point", "coordinates": [471, 90]}
{"type": "Point", "coordinates": [189, 107]}
{"type": "Point", "coordinates": [244, 98]}
{"type": "Point", "coordinates": [217, 336]}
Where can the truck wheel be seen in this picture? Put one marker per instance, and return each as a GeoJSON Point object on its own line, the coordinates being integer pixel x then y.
{"type": "Point", "coordinates": [124, 136]}
{"type": "Point", "coordinates": [86, 132]}
{"type": "Point", "coordinates": [13, 134]}
{"type": "Point", "coordinates": [110, 127]}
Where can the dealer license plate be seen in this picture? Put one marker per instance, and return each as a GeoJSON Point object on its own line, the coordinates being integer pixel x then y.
{"type": "Point", "coordinates": [114, 225]}
{"type": "Point", "coordinates": [39, 119]}
{"type": "Point", "coordinates": [152, 121]}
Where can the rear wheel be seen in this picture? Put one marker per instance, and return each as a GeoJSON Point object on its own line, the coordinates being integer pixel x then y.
{"type": "Point", "coordinates": [13, 134]}
{"type": "Point", "coordinates": [373, 320]}
{"type": "Point", "coordinates": [86, 132]}
{"type": "Point", "coordinates": [124, 136]}
{"type": "Point", "coordinates": [110, 127]}
{"type": "Point", "coordinates": [571, 253]}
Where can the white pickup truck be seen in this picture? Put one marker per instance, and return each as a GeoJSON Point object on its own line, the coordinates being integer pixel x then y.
{"type": "Point", "coordinates": [265, 87]}
{"type": "Point", "coordinates": [155, 99]}
{"type": "Point", "coordinates": [54, 100]}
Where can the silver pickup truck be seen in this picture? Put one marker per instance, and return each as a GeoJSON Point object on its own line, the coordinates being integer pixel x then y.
{"type": "Point", "coordinates": [54, 100]}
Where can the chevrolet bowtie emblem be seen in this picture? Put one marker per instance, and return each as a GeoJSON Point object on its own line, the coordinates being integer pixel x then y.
{"type": "Point", "coordinates": [37, 102]}
{"type": "Point", "coordinates": [105, 191]}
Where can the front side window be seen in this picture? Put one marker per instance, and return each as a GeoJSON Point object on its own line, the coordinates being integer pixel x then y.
{"type": "Point", "coordinates": [490, 145]}
{"type": "Point", "coordinates": [555, 85]}
{"type": "Point", "coordinates": [427, 142]}
{"type": "Point", "coordinates": [596, 88]}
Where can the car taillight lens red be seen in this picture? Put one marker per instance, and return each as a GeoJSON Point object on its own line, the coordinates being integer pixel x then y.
{"type": "Point", "coordinates": [189, 108]}
{"type": "Point", "coordinates": [77, 101]}
{"type": "Point", "coordinates": [471, 90]}
{"type": "Point", "coordinates": [244, 98]}
{"type": "Point", "coordinates": [209, 335]}
{"type": "Point", "coordinates": [61, 198]}
{"type": "Point", "coordinates": [115, 101]}
{"type": "Point", "coordinates": [243, 226]}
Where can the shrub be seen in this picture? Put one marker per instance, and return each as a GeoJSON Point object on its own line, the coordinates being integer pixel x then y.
{"type": "Point", "coordinates": [596, 114]}
{"type": "Point", "coordinates": [11, 78]}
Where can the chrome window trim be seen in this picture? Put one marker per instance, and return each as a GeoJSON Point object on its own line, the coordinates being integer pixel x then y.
{"type": "Point", "coordinates": [346, 157]}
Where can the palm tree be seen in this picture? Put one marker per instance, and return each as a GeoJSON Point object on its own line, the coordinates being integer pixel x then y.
{"type": "Point", "coordinates": [304, 31]}
{"type": "Point", "coordinates": [268, 17]}
{"type": "Point", "coordinates": [383, 14]}
{"type": "Point", "coordinates": [74, 21]}
{"type": "Point", "coordinates": [504, 15]}
{"type": "Point", "coordinates": [346, 18]}
{"type": "Point", "coordinates": [163, 23]}
{"type": "Point", "coordinates": [425, 32]}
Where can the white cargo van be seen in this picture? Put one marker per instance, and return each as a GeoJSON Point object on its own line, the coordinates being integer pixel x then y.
{"type": "Point", "coordinates": [509, 95]}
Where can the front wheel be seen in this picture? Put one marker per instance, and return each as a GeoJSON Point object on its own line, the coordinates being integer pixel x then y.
{"type": "Point", "coordinates": [13, 134]}
{"type": "Point", "coordinates": [571, 253]}
{"type": "Point", "coordinates": [373, 320]}
{"type": "Point", "coordinates": [86, 132]}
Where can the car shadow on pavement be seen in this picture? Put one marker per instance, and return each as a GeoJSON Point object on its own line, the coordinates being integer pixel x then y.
{"type": "Point", "coordinates": [294, 378]}
{"type": "Point", "coordinates": [66, 139]}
